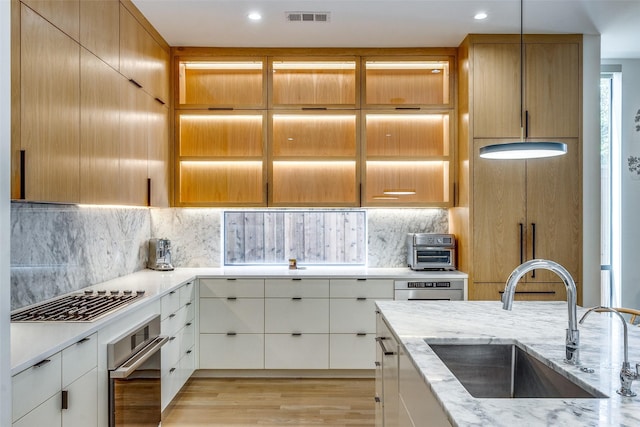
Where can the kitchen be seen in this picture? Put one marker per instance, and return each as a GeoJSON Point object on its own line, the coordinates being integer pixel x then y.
{"type": "Point", "coordinates": [127, 249]}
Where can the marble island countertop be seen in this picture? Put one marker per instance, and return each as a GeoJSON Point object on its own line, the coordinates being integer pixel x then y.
{"type": "Point", "coordinates": [539, 328]}
{"type": "Point", "coordinates": [32, 342]}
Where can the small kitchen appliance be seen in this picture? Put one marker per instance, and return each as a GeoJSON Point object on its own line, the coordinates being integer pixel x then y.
{"type": "Point", "coordinates": [428, 251]}
{"type": "Point", "coordinates": [160, 255]}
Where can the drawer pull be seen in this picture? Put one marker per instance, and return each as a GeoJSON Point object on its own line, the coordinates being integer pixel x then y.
{"type": "Point", "coordinates": [361, 299]}
{"type": "Point", "coordinates": [172, 370]}
{"type": "Point", "coordinates": [377, 399]}
{"type": "Point", "coordinates": [231, 279]}
{"type": "Point", "coordinates": [187, 304]}
{"type": "Point", "coordinates": [361, 279]}
{"type": "Point", "coordinates": [361, 334]}
{"type": "Point", "coordinates": [83, 340]}
{"type": "Point", "coordinates": [172, 338]}
{"type": "Point", "coordinates": [188, 324]}
{"type": "Point", "coordinates": [377, 363]}
{"type": "Point", "coordinates": [42, 363]}
{"type": "Point", "coordinates": [65, 399]}
{"type": "Point", "coordinates": [231, 334]}
{"type": "Point", "coordinates": [384, 348]}
{"type": "Point", "coordinates": [296, 299]}
{"type": "Point", "coordinates": [172, 315]}
{"type": "Point", "coordinates": [135, 83]}
{"type": "Point", "coordinates": [296, 334]}
{"type": "Point", "coordinates": [297, 279]}
{"type": "Point", "coordinates": [231, 298]}
{"type": "Point", "coordinates": [160, 101]}
{"type": "Point", "coordinates": [188, 351]}
{"type": "Point", "coordinates": [172, 292]}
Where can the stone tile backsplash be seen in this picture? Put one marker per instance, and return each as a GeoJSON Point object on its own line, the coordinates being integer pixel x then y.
{"type": "Point", "coordinates": [56, 249]}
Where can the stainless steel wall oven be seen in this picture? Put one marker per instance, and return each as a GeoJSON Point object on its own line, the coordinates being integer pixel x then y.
{"type": "Point", "coordinates": [134, 361]}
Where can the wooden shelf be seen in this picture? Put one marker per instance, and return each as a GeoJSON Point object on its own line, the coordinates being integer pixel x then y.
{"type": "Point", "coordinates": [222, 183]}
{"type": "Point", "coordinates": [410, 82]}
{"type": "Point", "coordinates": [314, 82]}
{"type": "Point", "coordinates": [221, 83]}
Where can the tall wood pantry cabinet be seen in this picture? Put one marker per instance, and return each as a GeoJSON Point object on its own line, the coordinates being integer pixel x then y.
{"type": "Point", "coordinates": [90, 104]}
{"type": "Point", "coordinates": [511, 211]}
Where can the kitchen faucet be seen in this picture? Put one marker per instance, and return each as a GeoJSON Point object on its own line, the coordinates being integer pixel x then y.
{"type": "Point", "coordinates": [627, 376]}
{"type": "Point", "coordinates": [573, 336]}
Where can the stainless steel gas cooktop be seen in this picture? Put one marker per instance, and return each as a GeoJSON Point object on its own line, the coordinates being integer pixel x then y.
{"type": "Point", "coordinates": [81, 307]}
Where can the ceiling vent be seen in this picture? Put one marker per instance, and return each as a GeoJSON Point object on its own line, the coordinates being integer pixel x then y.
{"type": "Point", "coordinates": [307, 16]}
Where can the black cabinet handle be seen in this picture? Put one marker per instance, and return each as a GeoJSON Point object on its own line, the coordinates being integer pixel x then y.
{"type": "Point", "coordinates": [361, 280]}
{"type": "Point", "coordinates": [521, 242]}
{"type": "Point", "coordinates": [377, 399]}
{"type": "Point", "coordinates": [361, 299]}
{"type": "Point", "coordinates": [83, 340]}
{"type": "Point", "coordinates": [296, 299]}
{"type": "Point", "coordinates": [188, 324]}
{"type": "Point", "coordinates": [297, 279]}
{"type": "Point", "coordinates": [23, 168]}
{"type": "Point", "coordinates": [231, 298]}
{"type": "Point", "coordinates": [188, 351]}
{"type": "Point", "coordinates": [172, 338]}
{"type": "Point", "coordinates": [172, 370]}
{"type": "Point", "coordinates": [148, 191]}
{"type": "Point", "coordinates": [407, 108]}
{"type": "Point", "coordinates": [172, 315]}
{"type": "Point", "coordinates": [220, 108]}
{"type": "Point", "coordinates": [313, 108]}
{"type": "Point", "coordinates": [187, 304]}
{"type": "Point", "coordinates": [361, 334]}
{"type": "Point", "coordinates": [231, 279]}
{"type": "Point", "coordinates": [231, 334]}
{"type": "Point", "coordinates": [135, 83]}
{"type": "Point", "coordinates": [296, 334]}
{"type": "Point", "coordinates": [42, 363]}
{"type": "Point", "coordinates": [526, 124]}
{"type": "Point", "coordinates": [160, 101]}
{"type": "Point", "coordinates": [533, 246]}
{"type": "Point", "coordinates": [65, 399]}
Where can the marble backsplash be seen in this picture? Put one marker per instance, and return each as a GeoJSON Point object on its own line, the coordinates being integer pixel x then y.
{"type": "Point", "coordinates": [56, 249]}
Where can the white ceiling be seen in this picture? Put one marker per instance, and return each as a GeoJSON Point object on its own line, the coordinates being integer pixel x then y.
{"type": "Point", "coordinates": [389, 23]}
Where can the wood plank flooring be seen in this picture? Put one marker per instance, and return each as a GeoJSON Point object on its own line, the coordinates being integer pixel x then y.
{"type": "Point", "coordinates": [273, 402]}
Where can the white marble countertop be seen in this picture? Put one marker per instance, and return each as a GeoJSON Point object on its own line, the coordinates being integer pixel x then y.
{"type": "Point", "coordinates": [32, 342]}
{"type": "Point", "coordinates": [539, 327]}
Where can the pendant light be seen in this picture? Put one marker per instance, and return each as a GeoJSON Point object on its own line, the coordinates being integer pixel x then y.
{"type": "Point", "coordinates": [522, 149]}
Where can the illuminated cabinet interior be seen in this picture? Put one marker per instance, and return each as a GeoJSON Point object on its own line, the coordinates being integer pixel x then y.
{"type": "Point", "coordinates": [314, 159]}
{"type": "Point", "coordinates": [407, 133]}
{"type": "Point", "coordinates": [303, 82]}
{"type": "Point", "coordinates": [337, 130]}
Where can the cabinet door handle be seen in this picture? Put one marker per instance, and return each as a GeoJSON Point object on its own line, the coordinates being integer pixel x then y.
{"type": "Point", "coordinates": [377, 363]}
{"type": "Point", "coordinates": [23, 169]}
{"type": "Point", "coordinates": [231, 298]}
{"type": "Point", "coordinates": [188, 351]}
{"type": "Point", "coordinates": [172, 315]}
{"type": "Point", "coordinates": [526, 124]}
{"type": "Point", "coordinates": [172, 338]}
{"type": "Point", "coordinates": [361, 279]}
{"type": "Point", "coordinates": [521, 242]}
{"type": "Point", "coordinates": [65, 399]}
{"type": "Point", "coordinates": [231, 334]}
{"type": "Point", "coordinates": [297, 279]}
{"type": "Point", "coordinates": [172, 370]}
{"type": "Point", "coordinates": [407, 108]}
{"type": "Point", "coordinates": [187, 304]}
{"type": "Point", "coordinates": [42, 363]}
{"type": "Point", "coordinates": [533, 246]}
{"type": "Point", "coordinates": [231, 279]}
{"type": "Point", "coordinates": [296, 299]}
{"type": "Point", "coordinates": [160, 101]}
{"type": "Point", "coordinates": [188, 324]}
{"type": "Point", "coordinates": [83, 340]}
{"type": "Point", "coordinates": [313, 108]}
{"type": "Point", "coordinates": [135, 83]}
{"type": "Point", "coordinates": [148, 192]}
{"type": "Point", "coordinates": [220, 108]}
{"type": "Point", "coordinates": [377, 399]}
{"type": "Point", "coordinates": [296, 334]}
{"type": "Point", "coordinates": [361, 334]}
{"type": "Point", "coordinates": [361, 299]}
{"type": "Point", "coordinates": [384, 349]}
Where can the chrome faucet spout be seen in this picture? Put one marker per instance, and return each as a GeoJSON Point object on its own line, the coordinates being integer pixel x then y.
{"type": "Point", "coordinates": [627, 376]}
{"type": "Point", "coordinates": [573, 336]}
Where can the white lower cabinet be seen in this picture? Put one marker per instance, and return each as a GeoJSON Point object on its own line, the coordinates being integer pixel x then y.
{"type": "Point", "coordinates": [296, 351]}
{"type": "Point", "coordinates": [60, 390]}
{"type": "Point", "coordinates": [231, 351]}
{"type": "Point", "coordinates": [296, 315]}
{"type": "Point", "coordinates": [352, 351]}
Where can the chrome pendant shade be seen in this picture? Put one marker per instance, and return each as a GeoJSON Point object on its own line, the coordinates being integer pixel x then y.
{"type": "Point", "coordinates": [522, 149]}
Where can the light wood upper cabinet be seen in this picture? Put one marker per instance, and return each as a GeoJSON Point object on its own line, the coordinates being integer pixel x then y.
{"type": "Point", "coordinates": [64, 14]}
{"type": "Point", "coordinates": [223, 83]}
{"type": "Point", "coordinates": [305, 82]}
{"type": "Point", "coordinates": [99, 131]}
{"type": "Point", "coordinates": [50, 111]}
{"type": "Point", "coordinates": [100, 29]}
{"type": "Point", "coordinates": [159, 155]}
{"type": "Point", "coordinates": [551, 90]}
{"type": "Point", "coordinates": [406, 82]}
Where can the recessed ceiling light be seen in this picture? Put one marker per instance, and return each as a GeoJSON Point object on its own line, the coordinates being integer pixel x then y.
{"type": "Point", "coordinates": [254, 16]}
{"type": "Point", "coordinates": [480, 16]}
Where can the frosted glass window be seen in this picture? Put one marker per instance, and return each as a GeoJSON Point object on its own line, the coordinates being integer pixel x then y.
{"type": "Point", "coordinates": [311, 237]}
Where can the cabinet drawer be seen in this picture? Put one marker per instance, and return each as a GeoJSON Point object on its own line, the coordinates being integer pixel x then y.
{"type": "Point", "coordinates": [305, 351]}
{"type": "Point", "coordinates": [241, 351]}
{"type": "Point", "coordinates": [170, 385]}
{"type": "Point", "coordinates": [296, 315]}
{"type": "Point", "coordinates": [352, 351]}
{"type": "Point", "coordinates": [524, 291]}
{"type": "Point", "coordinates": [170, 355]}
{"type": "Point", "coordinates": [170, 303]}
{"type": "Point", "coordinates": [238, 288]}
{"type": "Point", "coordinates": [186, 367]}
{"type": "Point", "coordinates": [352, 315]}
{"type": "Point", "coordinates": [361, 288]}
{"type": "Point", "coordinates": [187, 338]}
{"type": "Point", "coordinates": [243, 315]}
{"type": "Point", "coordinates": [171, 324]}
{"type": "Point", "coordinates": [47, 414]}
{"type": "Point", "coordinates": [298, 288]}
{"type": "Point", "coordinates": [83, 401]}
{"type": "Point", "coordinates": [33, 386]}
{"type": "Point", "coordinates": [187, 293]}
{"type": "Point", "coordinates": [79, 359]}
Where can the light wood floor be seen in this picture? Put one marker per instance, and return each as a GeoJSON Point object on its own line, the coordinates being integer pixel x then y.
{"type": "Point", "coordinates": [273, 402]}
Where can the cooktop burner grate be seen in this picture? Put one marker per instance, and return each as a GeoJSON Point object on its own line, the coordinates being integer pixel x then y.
{"type": "Point", "coordinates": [81, 307]}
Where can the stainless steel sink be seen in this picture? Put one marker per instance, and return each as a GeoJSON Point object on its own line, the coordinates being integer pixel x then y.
{"type": "Point", "coordinates": [506, 371]}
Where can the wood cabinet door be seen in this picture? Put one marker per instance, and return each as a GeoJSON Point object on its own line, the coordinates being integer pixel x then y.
{"type": "Point", "coordinates": [552, 89]}
{"type": "Point", "coordinates": [63, 14]}
{"type": "Point", "coordinates": [496, 90]}
{"type": "Point", "coordinates": [554, 208]}
{"type": "Point", "coordinates": [99, 29]}
{"type": "Point", "coordinates": [159, 153]}
{"type": "Point", "coordinates": [50, 110]}
{"type": "Point", "coordinates": [99, 131]}
{"type": "Point", "coordinates": [499, 213]}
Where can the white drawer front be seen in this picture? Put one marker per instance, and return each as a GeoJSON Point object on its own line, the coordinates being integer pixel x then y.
{"type": "Point", "coordinates": [170, 385]}
{"type": "Point", "coordinates": [187, 366]}
{"type": "Point", "coordinates": [187, 293]}
{"type": "Point", "coordinates": [79, 359]}
{"type": "Point", "coordinates": [47, 414]}
{"type": "Point", "coordinates": [242, 351]}
{"type": "Point", "coordinates": [187, 338]}
{"type": "Point", "coordinates": [239, 288]}
{"type": "Point", "coordinates": [170, 355]}
{"type": "Point", "coordinates": [351, 351]}
{"type": "Point", "coordinates": [171, 324]}
{"type": "Point", "coordinates": [33, 386]}
{"type": "Point", "coordinates": [351, 315]}
{"type": "Point", "coordinates": [286, 315]}
{"type": "Point", "coordinates": [242, 315]}
{"type": "Point", "coordinates": [359, 288]}
{"type": "Point", "coordinates": [170, 303]}
{"type": "Point", "coordinates": [305, 351]}
{"type": "Point", "coordinates": [303, 288]}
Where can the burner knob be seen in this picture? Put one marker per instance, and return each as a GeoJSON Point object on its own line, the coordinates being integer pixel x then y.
{"type": "Point", "coordinates": [116, 292]}
{"type": "Point", "coordinates": [102, 292]}
{"type": "Point", "coordinates": [139, 293]}
{"type": "Point", "coordinates": [128, 292]}
{"type": "Point", "coordinates": [88, 292]}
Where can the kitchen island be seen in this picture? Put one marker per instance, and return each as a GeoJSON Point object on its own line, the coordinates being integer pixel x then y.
{"type": "Point", "coordinates": [539, 329]}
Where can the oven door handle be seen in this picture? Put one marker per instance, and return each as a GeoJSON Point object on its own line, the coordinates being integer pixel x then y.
{"type": "Point", "coordinates": [128, 367]}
